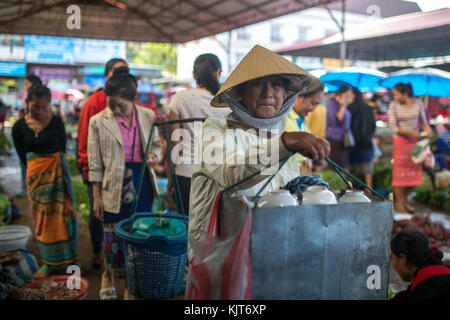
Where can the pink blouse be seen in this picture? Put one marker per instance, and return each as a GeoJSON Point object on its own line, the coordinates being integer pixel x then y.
{"type": "Point", "coordinates": [127, 139]}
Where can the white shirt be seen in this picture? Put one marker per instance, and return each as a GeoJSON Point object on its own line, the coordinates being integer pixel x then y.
{"type": "Point", "coordinates": [192, 103]}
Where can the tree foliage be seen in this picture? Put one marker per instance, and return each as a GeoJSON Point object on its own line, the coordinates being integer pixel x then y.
{"type": "Point", "coordinates": [161, 54]}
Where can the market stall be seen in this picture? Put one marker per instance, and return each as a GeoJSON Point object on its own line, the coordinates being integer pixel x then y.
{"type": "Point", "coordinates": [318, 251]}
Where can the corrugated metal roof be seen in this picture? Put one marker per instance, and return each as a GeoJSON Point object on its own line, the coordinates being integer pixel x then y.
{"type": "Point", "coordinates": [173, 21]}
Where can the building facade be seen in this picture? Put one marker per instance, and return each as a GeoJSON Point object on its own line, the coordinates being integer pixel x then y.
{"type": "Point", "coordinates": [231, 47]}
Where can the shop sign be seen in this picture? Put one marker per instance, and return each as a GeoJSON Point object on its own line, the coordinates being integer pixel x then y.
{"type": "Point", "coordinates": [331, 63]}
{"type": "Point", "coordinates": [12, 69]}
{"type": "Point", "coordinates": [87, 50]}
{"type": "Point", "coordinates": [50, 50]}
{"type": "Point", "coordinates": [53, 72]}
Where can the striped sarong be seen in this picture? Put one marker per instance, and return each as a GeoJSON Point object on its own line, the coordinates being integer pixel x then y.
{"type": "Point", "coordinates": [51, 199]}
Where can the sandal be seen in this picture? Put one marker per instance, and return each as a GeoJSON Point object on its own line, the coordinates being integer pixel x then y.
{"type": "Point", "coordinates": [43, 272]}
{"type": "Point", "coordinates": [128, 296]}
{"type": "Point", "coordinates": [108, 294]}
{"type": "Point", "coordinates": [97, 261]}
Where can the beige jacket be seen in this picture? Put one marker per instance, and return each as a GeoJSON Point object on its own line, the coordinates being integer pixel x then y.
{"type": "Point", "coordinates": [106, 155]}
{"type": "Point", "coordinates": [209, 178]}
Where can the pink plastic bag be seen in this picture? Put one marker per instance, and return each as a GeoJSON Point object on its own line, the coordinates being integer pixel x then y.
{"type": "Point", "coordinates": [221, 267]}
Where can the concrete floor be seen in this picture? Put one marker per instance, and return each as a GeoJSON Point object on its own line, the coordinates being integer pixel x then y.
{"type": "Point", "coordinates": [84, 252]}
{"type": "Point", "coordinates": [10, 179]}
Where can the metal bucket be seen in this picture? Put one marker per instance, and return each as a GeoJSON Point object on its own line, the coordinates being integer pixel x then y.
{"type": "Point", "coordinates": [313, 252]}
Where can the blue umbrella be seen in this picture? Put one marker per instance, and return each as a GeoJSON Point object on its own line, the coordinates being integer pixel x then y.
{"type": "Point", "coordinates": [366, 80]}
{"type": "Point", "coordinates": [425, 81]}
{"type": "Point", "coordinates": [333, 86]}
{"type": "Point", "coordinates": [330, 86]}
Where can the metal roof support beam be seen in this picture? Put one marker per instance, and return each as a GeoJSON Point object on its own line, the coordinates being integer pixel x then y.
{"type": "Point", "coordinates": [164, 8]}
{"type": "Point", "coordinates": [139, 12]}
{"type": "Point", "coordinates": [126, 17]}
{"type": "Point", "coordinates": [199, 8]}
{"type": "Point", "coordinates": [206, 9]}
{"type": "Point", "coordinates": [8, 3]}
{"type": "Point", "coordinates": [341, 27]}
{"type": "Point", "coordinates": [256, 8]}
{"type": "Point", "coordinates": [186, 16]}
{"type": "Point", "coordinates": [200, 25]}
{"type": "Point", "coordinates": [34, 10]}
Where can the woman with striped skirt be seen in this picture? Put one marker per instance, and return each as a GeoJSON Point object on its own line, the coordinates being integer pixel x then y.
{"type": "Point", "coordinates": [404, 115]}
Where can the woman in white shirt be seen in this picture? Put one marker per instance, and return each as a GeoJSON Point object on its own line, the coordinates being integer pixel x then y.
{"type": "Point", "coordinates": [193, 103]}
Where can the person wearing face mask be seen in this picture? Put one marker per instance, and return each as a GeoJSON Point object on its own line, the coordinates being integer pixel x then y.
{"type": "Point", "coordinates": [117, 139]}
{"type": "Point", "coordinates": [261, 91]}
{"type": "Point", "coordinates": [296, 120]}
{"type": "Point", "coordinates": [94, 104]}
{"type": "Point", "coordinates": [338, 122]}
{"type": "Point", "coordinates": [421, 266]}
{"type": "Point", "coordinates": [404, 114]}
{"type": "Point", "coordinates": [40, 141]}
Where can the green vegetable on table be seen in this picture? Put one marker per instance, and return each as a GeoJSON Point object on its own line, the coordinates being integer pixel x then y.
{"type": "Point", "coordinates": [4, 206]}
{"type": "Point", "coordinates": [391, 293]}
{"type": "Point", "coordinates": [72, 163]}
{"type": "Point", "coordinates": [81, 198]}
{"type": "Point", "coordinates": [421, 145]}
{"type": "Point", "coordinates": [4, 143]}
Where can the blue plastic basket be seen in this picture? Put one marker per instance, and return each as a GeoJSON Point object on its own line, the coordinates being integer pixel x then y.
{"type": "Point", "coordinates": [156, 264]}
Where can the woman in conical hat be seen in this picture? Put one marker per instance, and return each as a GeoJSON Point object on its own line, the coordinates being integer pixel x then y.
{"type": "Point", "coordinates": [260, 91]}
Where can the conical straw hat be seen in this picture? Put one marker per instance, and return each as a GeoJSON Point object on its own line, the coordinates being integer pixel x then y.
{"type": "Point", "coordinates": [261, 62]}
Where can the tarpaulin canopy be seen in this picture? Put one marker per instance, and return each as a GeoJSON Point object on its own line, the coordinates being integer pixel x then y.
{"type": "Point", "coordinates": [366, 80]}
{"type": "Point", "coordinates": [172, 21]}
{"type": "Point", "coordinates": [414, 35]}
{"type": "Point", "coordinates": [425, 81]}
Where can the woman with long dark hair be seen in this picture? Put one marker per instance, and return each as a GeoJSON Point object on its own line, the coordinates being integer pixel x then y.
{"type": "Point", "coordinates": [404, 114]}
{"type": "Point", "coordinates": [29, 81]}
{"type": "Point", "coordinates": [363, 128]}
{"type": "Point", "coordinates": [338, 122]}
{"type": "Point", "coordinates": [417, 263]}
{"type": "Point", "coordinates": [193, 103]}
